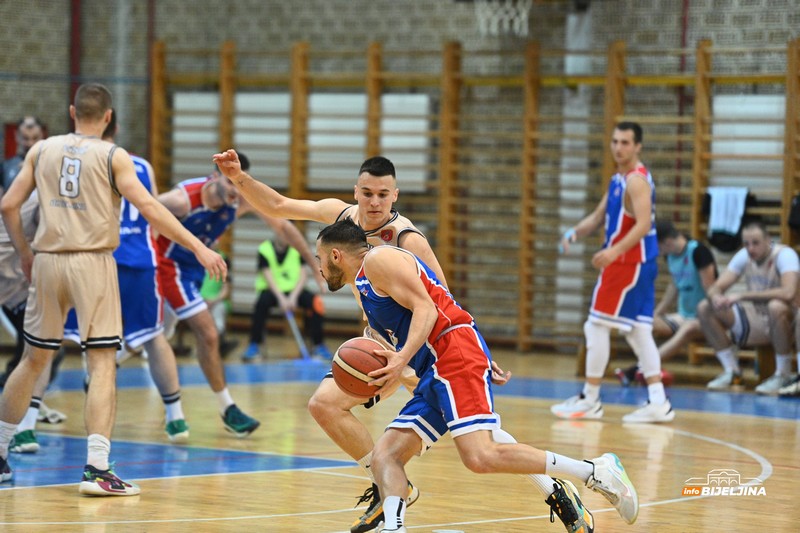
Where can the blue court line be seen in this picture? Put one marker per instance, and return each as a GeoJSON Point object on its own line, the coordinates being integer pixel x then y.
{"type": "Point", "coordinates": [60, 458]}
{"type": "Point", "coordinates": [682, 398]}
{"type": "Point", "coordinates": [59, 461]}
{"type": "Point", "coordinates": [747, 403]}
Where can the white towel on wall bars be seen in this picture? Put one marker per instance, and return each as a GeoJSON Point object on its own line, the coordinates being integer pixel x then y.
{"type": "Point", "coordinates": [727, 209]}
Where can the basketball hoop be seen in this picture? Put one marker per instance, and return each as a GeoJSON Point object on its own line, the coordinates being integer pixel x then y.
{"type": "Point", "coordinates": [502, 17]}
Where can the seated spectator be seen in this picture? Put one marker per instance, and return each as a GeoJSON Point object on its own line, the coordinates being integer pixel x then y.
{"type": "Point", "coordinates": [29, 131]}
{"type": "Point", "coordinates": [281, 280]}
{"type": "Point", "coordinates": [761, 315]}
{"type": "Point", "coordinates": [792, 389]}
{"type": "Point", "coordinates": [693, 269]}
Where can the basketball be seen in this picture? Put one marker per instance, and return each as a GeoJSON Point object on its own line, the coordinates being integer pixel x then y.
{"type": "Point", "coordinates": [352, 362]}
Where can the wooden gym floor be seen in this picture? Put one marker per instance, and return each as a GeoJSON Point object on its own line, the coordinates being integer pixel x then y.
{"type": "Point", "coordinates": [288, 477]}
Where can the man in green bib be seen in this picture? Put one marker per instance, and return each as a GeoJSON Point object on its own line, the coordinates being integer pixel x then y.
{"type": "Point", "coordinates": [281, 280]}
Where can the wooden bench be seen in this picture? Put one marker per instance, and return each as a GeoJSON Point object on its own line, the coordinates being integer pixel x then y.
{"type": "Point", "coordinates": [763, 356]}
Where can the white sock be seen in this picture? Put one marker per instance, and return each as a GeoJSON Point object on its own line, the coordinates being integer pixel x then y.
{"type": "Point", "coordinates": [656, 394]}
{"type": "Point", "coordinates": [561, 466]}
{"type": "Point", "coordinates": [783, 364]}
{"type": "Point", "coordinates": [29, 421]}
{"type": "Point", "coordinates": [394, 512]}
{"type": "Point", "coordinates": [173, 406]}
{"type": "Point", "coordinates": [99, 448]}
{"type": "Point", "coordinates": [224, 399]}
{"type": "Point", "coordinates": [6, 434]}
{"type": "Point", "coordinates": [543, 484]}
{"type": "Point", "coordinates": [174, 411]}
{"type": "Point", "coordinates": [729, 360]}
{"type": "Point", "coordinates": [366, 463]}
{"type": "Point", "coordinates": [591, 392]}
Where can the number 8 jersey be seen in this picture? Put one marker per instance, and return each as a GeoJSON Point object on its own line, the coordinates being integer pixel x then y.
{"type": "Point", "coordinates": [79, 207]}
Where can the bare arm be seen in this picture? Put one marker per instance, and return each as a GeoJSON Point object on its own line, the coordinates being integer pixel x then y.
{"type": "Point", "coordinates": [716, 292]}
{"type": "Point", "coordinates": [708, 275]}
{"type": "Point", "coordinates": [301, 283]}
{"type": "Point", "coordinates": [588, 225]}
{"type": "Point", "coordinates": [667, 300]}
{"type": "Point", "coordinates": [268, 201]}
{"type": "Point", "coordinates": [723, 283]}
{"type": "Point", "coordinates": [786, 292]}
{"type": "Point", "coordinates": [296, 240]}
{"type": "Point", "coordinates": [160, 217]}
{"type": "Point", "coordinates": [394, 273]}
{"type": "Point", "coordinates": [176, 201]}
{"type": "Point", "coordinates": [638, 202]}
{"type": "Point", "coordinates": [419, 246]}
{"type": "Point", "coordinates": [11, 207]}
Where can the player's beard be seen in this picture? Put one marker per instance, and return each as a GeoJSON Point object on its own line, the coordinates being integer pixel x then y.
{"type": "Point", "coordinates": [335, 278]}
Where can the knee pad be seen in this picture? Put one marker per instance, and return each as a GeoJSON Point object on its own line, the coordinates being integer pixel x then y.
{"type": "Point", "coordinates": [598, 348]}
{"type": "Point", "coordinates": [641, 341]}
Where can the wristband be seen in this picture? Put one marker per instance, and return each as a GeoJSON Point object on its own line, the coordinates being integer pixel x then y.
{"type": "Point", "coordinates": [569, 236]}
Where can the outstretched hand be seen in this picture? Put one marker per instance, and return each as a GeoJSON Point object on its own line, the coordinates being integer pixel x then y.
{"type": "Point", "coordinates": [228, 163]}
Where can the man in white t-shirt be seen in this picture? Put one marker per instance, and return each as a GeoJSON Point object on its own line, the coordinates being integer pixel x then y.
{"type": "Point", "coordinates": [761, 315]}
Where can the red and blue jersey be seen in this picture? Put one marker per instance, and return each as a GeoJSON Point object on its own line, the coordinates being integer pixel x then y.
{"type": "Point", "coordinates": [137, 247]}
{"type": "Point", "coordinates": [619, 222]}
{"type": "Point", "coordinates": [205, 224]}
{"type": "Point", "coordinates": [392, 320]}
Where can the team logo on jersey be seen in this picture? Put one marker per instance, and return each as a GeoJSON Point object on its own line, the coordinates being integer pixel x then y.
{"type": "Point", "coordinates": [386, 235]}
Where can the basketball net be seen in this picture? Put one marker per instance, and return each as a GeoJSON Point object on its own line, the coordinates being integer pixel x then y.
{"type": "Point", "coordinates": [503, 17]}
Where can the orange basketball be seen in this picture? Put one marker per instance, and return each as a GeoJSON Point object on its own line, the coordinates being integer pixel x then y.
{"type": "Point", "coordinates": [353, 361]}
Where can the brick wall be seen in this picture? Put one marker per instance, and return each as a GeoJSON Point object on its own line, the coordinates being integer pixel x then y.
{"type": "Point", "coordinates": [35, 38]}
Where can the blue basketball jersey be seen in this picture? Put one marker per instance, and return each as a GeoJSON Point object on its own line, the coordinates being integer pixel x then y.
{"type": "Point", "coordinates": [619, 222]}
{"type": "Point", "coordinates": [204, 223]}
{"type": "Point", "coordinates": [137, 248]}
{"type": "Point", "coordinates": [391, 320]}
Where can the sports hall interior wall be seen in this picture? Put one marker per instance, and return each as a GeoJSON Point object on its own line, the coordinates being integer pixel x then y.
{"type": "Point", "coordinates": [116, 38]}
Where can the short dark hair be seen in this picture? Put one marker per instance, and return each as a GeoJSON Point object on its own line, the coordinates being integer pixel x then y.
{"type": "Point", "coordinates": [30, 121]}
{"type": "Point", "coordinates": [111, 129]}
{"type": "Point", "coordinates": [345, 233]}
{"type": "Point", "coordinates": [638, 134]}
{"type": "Point", "coordinates": [92, 100]}
{"type": "Point", "coordinates": [378, 166]}
{"type": "Point", "coordinates": [757, 224]}
{"type": "Point", "coordinates": [665, 230]}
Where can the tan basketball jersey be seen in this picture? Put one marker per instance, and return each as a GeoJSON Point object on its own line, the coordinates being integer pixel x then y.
{"type": "Point", "coordinates": [389, 233]}
{"type": "Point", "coordinates": [764, 276]}
{"type": "Point", "coordinates": [79, 203]}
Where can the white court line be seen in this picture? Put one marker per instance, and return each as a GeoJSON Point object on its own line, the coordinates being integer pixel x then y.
{"type": "Point", "coordinates": [766, 472]}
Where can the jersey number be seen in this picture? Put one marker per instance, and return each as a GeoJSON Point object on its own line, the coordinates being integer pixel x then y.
{"type": "Point", "coordinates": [69, 182]}
{"type": "Point", "coordinates": [127, 207]}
